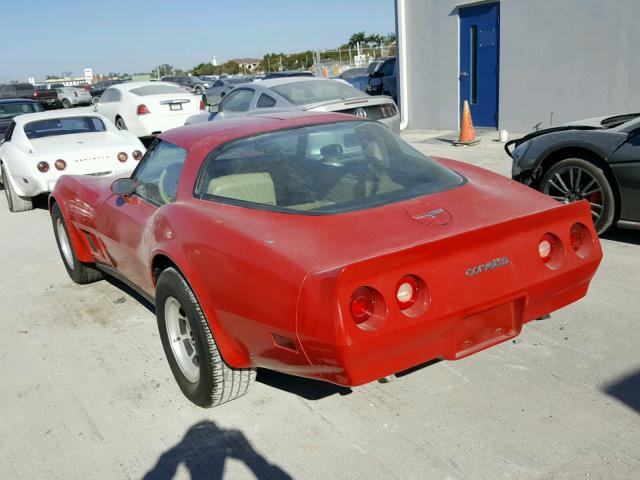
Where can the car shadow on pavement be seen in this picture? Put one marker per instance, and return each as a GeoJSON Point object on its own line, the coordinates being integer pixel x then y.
{"type": "Point", "coordinates": [204, 450]}
{"type": "Point", "coordinates": [306, 388]}
{"type": "Point", "coordinates": [627, 390]}
{"type": "Point", "coordinates": [132, 293]}
{"type": "Point", "coordinates": [623, 235]}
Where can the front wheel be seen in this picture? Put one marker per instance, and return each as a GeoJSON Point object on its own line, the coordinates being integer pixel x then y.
{"type": "Point", "coordinates": [192, 353]}
{"type": "Point", "coordinates": [78, 271]}
{"type": "Point", "coordinates": [576, 179]}
{"type": "Point", "coordinates": [198, 91]}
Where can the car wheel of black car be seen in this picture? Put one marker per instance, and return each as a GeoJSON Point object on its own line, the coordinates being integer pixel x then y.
{"type": "Point", "coordinates": [15, 202]}
{"type": "Point", "coordinates": [66, 103]}
{"type": "Point", "coordinates": [78, 271]}
{"type": "Point", "coordinates": [194, 358]}
{"type": "Point", "coordinates": [576, 179]}
{"type": "Point", "coordinates": [120, 125]}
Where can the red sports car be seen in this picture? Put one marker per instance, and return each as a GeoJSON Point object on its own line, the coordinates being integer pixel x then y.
{"type": "Point", "coordinates": [320, 245]}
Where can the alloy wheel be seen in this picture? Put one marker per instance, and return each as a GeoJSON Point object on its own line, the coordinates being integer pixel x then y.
{"type": "Point", "coordinates": [570, 184]}
{"type": "Point", "coordinates": [182, 339]}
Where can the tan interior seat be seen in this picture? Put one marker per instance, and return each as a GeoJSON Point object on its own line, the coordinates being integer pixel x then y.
{"type": "Point", "coordinates": [251, 187]}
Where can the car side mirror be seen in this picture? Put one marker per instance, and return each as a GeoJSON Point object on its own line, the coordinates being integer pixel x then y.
{"type": "Point", "coordinates": [123, 186]}
{"type": "Point", "coordinates": [214, 108]}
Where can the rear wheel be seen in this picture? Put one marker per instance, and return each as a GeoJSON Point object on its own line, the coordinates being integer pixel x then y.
{"type": "Point", "coordinates": [194, 358]}
{"type": "Point", "coordinates": [198, 90]}
{"type": "Point", "coordinates": [576, 179]}
{"type": "Point", "coordinates": [120, 124]}
{"type": "Point", "coordinates": [15, 202]}
{"type": "Point", "coordinates": [66, 103]}
{"type": "Point", "coordinates": [78, 271]}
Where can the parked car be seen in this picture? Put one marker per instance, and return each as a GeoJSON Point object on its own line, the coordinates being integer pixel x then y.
{"type": "Point", "coordinates": [320, 245]}
{"type": "Point", "coordinates": [297, 93]}
{"type": "Point", "coordinates": [288, 73]}
{"type": "Point", "coordinates": [98, 88]}
{"type": "Point", "coordinates": [147, 108]}
{"type": "Point", "coordinates": [221, 87]}
{"type": "Point", "coordinates": [384, 80]}
{"type": "Point", "coordinates": [70, 97]}
{"type": "Point", "coordinates": [193, 84]}
{"type": "Point", "coordinates": [597, 160]}
{"type": "Point", "coordinates": [47, 98]}
{"type": "Point", "coordinates": [361, 81]}
{"type": "Point", "coordinates": [38, 148]}
{"type": "Point", "coordinates": [352, 73]}
{"type": "Point", "coordinates": [11, 108]}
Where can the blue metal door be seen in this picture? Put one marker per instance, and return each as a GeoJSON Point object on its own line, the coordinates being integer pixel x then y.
{"type": "Point", "coordinates": [479, 59]}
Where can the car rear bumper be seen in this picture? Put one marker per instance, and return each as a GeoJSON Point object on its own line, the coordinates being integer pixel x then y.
{"type": "Point", "coordinates": [149, 125]}
{"type": "Point", "coordinates": [453, 337]}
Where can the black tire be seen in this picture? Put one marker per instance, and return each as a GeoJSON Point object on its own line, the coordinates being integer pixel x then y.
{"type": "Point", "coordinates": [198, 90]}
{"type": "Point", "coordinates": [216, 382]}
{"type": "Point", "coordinates": [15, 202]}
{"type": "Point", "coordinates": [79, 272]}
{"type": "Point", "coordinates": [66, 103]}
{"type": "Point", "coordinates": [120, 125]}
{"type": "Point", "coordinates": [588, 176]}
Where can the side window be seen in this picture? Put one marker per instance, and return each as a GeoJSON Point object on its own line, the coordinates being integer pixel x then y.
{"type": "Point", "coordinates": [265, 101]}
{"type": "Point", "coordinates": [110, 95]}
{"type": "Point", "coordinates": [158, 174]}
{"type": "Point", "coordinates": [387, 68]}
{"type": "Point", "coordinates": [238, 101]}
{"type": "Point", "coordinates": [9, 132]}
{"type": "Point", "coordinates": [218, 83]}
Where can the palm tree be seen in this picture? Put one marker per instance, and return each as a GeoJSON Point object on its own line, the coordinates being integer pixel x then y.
{"type": "Point", "coordinates": [358, 37]}
{"type": "Point", "coordinates": [374, 40]}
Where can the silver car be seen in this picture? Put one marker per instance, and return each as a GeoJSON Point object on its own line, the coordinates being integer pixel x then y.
{"type": "Point", "coordinates": [69, 96]}
{"type": "Point", "coordinates": [221, 87]}
{"type": "Point", "coordinates": [298, 93]}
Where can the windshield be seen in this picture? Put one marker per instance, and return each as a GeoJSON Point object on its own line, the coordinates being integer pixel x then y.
{"type": "Point", "coordinates": [63, 126]}
{"type": "Point", "coordinates": [236, 81]}
{"type": "Point", "coordinates": [327, 168]}
{"type": "Point", "coordinates": [156, 90]}
{"type": "Point", "coordinates": [302, 93]}
{"type": "Point", "coordinates": [10, 110]}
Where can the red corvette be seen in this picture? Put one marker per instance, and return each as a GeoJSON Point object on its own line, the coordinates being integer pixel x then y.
{"type": "Point", "coordinates": [320, 245]}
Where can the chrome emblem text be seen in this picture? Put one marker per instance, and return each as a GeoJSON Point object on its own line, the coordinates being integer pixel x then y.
{"type": "Point", "coordinates": [483, 267]}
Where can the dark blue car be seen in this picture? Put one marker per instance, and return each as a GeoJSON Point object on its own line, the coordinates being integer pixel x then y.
{"type": "Point", "coordinates": [13, 107]}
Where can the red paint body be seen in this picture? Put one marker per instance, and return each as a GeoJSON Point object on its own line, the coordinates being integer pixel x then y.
{"type": "Point", "coordinates": [258, 273]}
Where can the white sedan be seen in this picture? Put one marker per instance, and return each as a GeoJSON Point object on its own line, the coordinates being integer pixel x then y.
{"type": "Point", "coordinates": [148, 108]}
{"type": "Point", "coordinates": [38, 148]}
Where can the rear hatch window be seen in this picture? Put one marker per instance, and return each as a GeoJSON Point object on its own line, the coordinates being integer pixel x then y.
{"type": "Point", "coordinates": [327, 168]}
{"type": "Point", "coordinates": [63, 126]}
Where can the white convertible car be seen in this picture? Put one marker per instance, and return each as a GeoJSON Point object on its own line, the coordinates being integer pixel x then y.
{"type": "Point", "coordinates": [148, 108]}
{"type": "Point", "coordinates": [38, 148]}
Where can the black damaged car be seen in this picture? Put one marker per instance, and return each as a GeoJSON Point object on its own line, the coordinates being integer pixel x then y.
{"type": "Point", "coordinates": [597, 160]}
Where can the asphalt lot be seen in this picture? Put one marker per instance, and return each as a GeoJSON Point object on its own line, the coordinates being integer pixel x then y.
{"type": "Point", "coordinates": [87, 393]}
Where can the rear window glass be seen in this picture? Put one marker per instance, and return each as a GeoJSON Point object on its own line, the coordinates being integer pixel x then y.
{"type": "Point", "coordinates": [63, 126]}
{"type": "Point", "coordinates": [10, 110]}
{"type": "Point", "coordinates": [156, 90]}
{"type": "Point", "coordinates": [327, 168]}
{"type": "Point", "coordinates": [301, 93]}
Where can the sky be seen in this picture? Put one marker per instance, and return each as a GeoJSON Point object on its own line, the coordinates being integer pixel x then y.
{"type": "Point", "coordinates": [129, 36]}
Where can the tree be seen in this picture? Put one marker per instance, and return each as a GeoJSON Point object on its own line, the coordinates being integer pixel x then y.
{"type": "Point", "coordinates": [389, 38]}
{"type": "Point", "coordinates": [358, 37]}
{"type": "Point", "coordinates": [374, 40]}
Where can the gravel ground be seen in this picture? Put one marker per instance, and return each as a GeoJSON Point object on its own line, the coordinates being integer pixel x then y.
{"type": "Point", "coordinates": [87, 393]}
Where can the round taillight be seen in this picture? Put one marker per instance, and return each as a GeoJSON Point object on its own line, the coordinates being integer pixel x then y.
{"type": "Point", "coordinates": [137, 154]}
{"type": "Point", "coordinates": [551, 251]}
{"type": "Point", "coordinates": [43, 166]}
{"type": "Point", "coordinates": [407, 291]}
{"type": "Point", "coordinates": [545, 247]}
{"type": "Point", "coordinates": [363, 304]}
{"type": "Point", "coordinates": [60, 164]}
{"type": "Point", "coordinates": [122, 157]}
{"type": "Point", "coordinates": [581, 240]}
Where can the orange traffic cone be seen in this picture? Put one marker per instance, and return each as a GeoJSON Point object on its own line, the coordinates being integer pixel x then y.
{"type": "Point", "coordinates": [467, 133]}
